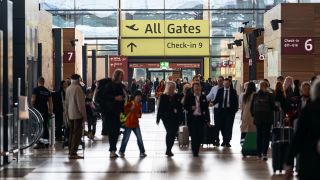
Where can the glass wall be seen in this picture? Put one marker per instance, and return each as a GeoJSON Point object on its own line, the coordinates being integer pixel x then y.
{"type": "Point", "coordinates": [97, 19]}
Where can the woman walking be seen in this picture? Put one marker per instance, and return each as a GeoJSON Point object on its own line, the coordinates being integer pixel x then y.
{"type": "Point", "coordinates": [247, 123]}
{"type": "Point", "coordinates": [197, 107]}
{"type": "Point", "coordinates": [171, 114]}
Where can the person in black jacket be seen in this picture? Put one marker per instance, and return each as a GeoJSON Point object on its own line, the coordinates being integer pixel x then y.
{"type": "Point", "coordinates": [262, 110]}
{"type": "Point", "coordinates": [58, 97]}
{"type": "Point", "coordinates": [306, 140]}
{"type": "Point", "coordinates": [170, 112]}
{"type": "Point", "coordinates": [114, 97]}
{"type": "Point", "coordinates": [228, 104]}
{"type": "Point", "coordinates": [198, 116]}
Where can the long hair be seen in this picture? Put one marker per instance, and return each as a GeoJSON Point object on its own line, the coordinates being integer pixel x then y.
{"type": "Point", "coordinates": [315, 90]}
{"type": "Point", "coordinates": [116, 75]}
{"type": "Point", "coordinates": [250, 90]}
{"type": "Point", "coordinates": [288, 82]}
{"type": "Point", "coordinates": [169, 84]}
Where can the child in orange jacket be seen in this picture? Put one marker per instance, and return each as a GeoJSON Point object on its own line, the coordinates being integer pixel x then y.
{"type": "Point", "coordinates": [133, 113]}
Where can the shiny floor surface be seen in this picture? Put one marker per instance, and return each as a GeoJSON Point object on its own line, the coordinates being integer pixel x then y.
{"type": "Point", "coordinates": [213, 163]}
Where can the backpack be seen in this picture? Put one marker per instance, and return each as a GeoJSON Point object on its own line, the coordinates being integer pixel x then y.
{"type": "Point", "coordinates": [262, 103]}
{"type": "Point", "coordinates": [99, 94]}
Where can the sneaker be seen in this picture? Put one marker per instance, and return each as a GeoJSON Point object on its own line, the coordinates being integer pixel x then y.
{"type": "Point", "coordinates": [228, 145]}
{"type": "Point", "coordinates": [113, 154]}
{"type": "Point", "coordinates": [265, 157]}
{"type": "Point", "coordinates": [121, 154]}
{"type": "Point", "coordinates": [143, 155]}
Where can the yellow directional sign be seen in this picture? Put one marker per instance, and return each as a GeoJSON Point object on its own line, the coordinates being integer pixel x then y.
{"type": "Point", "coordinates": [165, 47]}
{"type": "Point", "coordinates": [165, 37]}
{"type": "Point", "coordinates": [164, 28]}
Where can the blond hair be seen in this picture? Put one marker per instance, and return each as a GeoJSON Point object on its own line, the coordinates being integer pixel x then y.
{"type": "Point", "coordinates": [169, 84]}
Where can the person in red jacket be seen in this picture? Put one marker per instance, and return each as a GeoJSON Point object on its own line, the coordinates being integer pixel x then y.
{"type": "Point", "coordinates": [133, 113]}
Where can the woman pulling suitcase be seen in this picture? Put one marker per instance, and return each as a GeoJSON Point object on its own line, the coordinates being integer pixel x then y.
{"type": "Point", "coordinates": [171, 114]}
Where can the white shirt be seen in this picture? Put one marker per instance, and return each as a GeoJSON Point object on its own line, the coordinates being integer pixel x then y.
{"type": "Point", "coordinates": [213, 93]}
{"type": "Point", "coordinates": [228, 98]}
{"type": "Point", "coordinates": [197, 111]}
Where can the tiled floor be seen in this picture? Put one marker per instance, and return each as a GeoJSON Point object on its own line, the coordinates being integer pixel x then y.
{"type": "Point", "coordinates": [213, 163]}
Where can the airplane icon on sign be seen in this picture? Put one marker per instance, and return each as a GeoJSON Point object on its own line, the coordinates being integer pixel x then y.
{"type": "Point", "coordinates": [132, 27]}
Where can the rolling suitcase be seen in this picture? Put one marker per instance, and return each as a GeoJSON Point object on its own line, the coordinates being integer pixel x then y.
{"type": "Point", "coordinates": [151, 105]}
{"type": "Point", "coordinates": [249, 147]}
{"type": "Point", "coordinates": [281, 139]}
{"type": "Point", "coordinates": [144, 107]}
{"type": "Point", "coordinates": [183, 136]}
{"type": "Point", "coordinates": [210, 135]}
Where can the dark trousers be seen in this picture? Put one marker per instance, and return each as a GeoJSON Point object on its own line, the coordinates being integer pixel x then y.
{"type": "Point", "coordinates": [75, 135]}
{"type": "Point", "coordinates": [113, 129]}
{"type": "Point", "coordinates": [263, 138]}
{"type": "Point", "coordinates": [45, 134]}
{"type": "Point", "coordinates": [171, 128]}
{"type": "Point", "coordinates": [196, 126]}
{"type": "Point", "coordinates": [217, 121]}
{"type": "Point", "coordinates": [92, 123]}
{"type": "Point", "coordinates": [104, 125]}
{"type": "Point", "coordinates": [59, 123]}
{"type": "Point", "coordinates": [225, 121]}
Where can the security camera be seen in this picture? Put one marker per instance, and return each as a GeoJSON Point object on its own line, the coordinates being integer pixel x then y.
{"type": "Point", "coordinates": [238, 42]}
{"type": "Point", "coordinates": [73, 42]}
{"type": "Point", "coordinates": [275, 24]}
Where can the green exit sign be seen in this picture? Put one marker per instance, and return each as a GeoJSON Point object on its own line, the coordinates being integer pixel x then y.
{"type": "Point", "coordinates": [164, 65]}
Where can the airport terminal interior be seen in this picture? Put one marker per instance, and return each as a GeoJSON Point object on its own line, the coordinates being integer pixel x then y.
{"type": "Point", "coordinates": [212, 89]}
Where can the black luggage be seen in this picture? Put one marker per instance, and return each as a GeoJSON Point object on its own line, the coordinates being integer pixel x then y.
{"type": "Point", "coordinates": [281, 139]}
{"type": "Point", "coordinates": [210, 135]}
{"type": "Point", "coordinates": [151, 105]}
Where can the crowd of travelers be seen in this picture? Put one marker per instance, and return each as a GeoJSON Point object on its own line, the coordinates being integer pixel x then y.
{"type": "Point", "coordinates": [120, 106]}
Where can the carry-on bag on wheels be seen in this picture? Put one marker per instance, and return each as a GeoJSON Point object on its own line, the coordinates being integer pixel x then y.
{"type": "Point", "coordinates": [183, 135]}
{"type": "Point", "coordinates": [151, 105]}
{"type": "Point", "coordinates": [210, 135]}
{"type": "Point", "coordinates": [281, 139]}
{"type": "Point", "coordinates": [249, 147]}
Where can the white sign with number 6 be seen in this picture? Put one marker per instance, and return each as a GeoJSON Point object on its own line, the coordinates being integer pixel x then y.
{"type": "Point", "coordinates": [308, 45]}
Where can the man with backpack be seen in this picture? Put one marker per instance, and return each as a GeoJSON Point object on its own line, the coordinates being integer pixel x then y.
{"type": "Point", "coordinates": [262, 109]}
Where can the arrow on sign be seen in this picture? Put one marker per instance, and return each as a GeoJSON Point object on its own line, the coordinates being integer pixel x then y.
{"type": "Point", "coordinates": [131, 45]}
{"type": "Point", "coordinates": [132, 27]}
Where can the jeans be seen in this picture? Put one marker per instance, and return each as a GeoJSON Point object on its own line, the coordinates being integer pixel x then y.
{"type": "Point", "coordinates": [263, 138]}
{"type": "Point", "coordinates": [126, 136]}
{"type": "Point", "coordinates": [92, 123]}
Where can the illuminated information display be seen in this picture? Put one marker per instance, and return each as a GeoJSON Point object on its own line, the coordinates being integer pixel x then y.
{"type": "Point", "coordinates": [165, 38]}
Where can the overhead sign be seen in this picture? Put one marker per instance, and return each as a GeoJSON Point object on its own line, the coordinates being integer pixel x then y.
{"type": "Point", "coordinates": [144, 65]}
{"type": "Point", "coordinates": [165, 37]}
{"type": "Point", "coordinates": [118, 62]}
{"type": "Point", "coordinates": [184, 65]}
{"type": "Point", "coordinates": [297, 45]}
{"type": "Point", "coordinates": [69, 57]}
{"type": "Point", "coordinates": [164, 65]}
{"type": "Point", "coordinates": [165, 47]}
{"type": "Point", "coordinates": [164, 28]}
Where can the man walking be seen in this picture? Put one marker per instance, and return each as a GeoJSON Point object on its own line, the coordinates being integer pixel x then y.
{"type": "Point", "coordinates": [227, 100]}
{"type": "Point", "coordinates": [42, 101]}
{"type": "Point", "coordinates": [76, 111]}
{"type": "Point", "coordinates": [210, 97]}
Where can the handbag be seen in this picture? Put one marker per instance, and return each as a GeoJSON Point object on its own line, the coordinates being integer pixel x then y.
{"type": "Point", "coordinates": [23, 108]}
